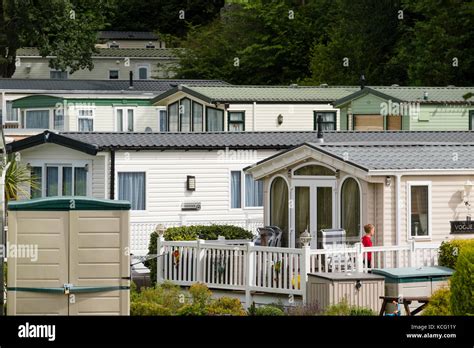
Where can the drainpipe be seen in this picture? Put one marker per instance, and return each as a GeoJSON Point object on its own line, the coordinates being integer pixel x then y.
{"type": "Point", "coordinates": [398, 209]}
{"type": "Point", "coordinates": [254, 119]}
{"type": "Point", "coordinates": [112, 174]}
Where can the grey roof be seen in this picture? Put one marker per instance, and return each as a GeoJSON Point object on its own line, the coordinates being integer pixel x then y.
{"type": "Point", "coordinates": [152, 53]}
{"type": "Point", "coordinates": [126, 35]}
{"type": "Point", "coordinates": [408, 157]}
{"type": "Point", "coordinates": [98, 85]}
{"type": "Point", "coordinates": [271, 140]}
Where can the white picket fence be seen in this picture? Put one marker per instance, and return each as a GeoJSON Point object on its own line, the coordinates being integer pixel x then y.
{"type": "Point", "coordinates": [240, 265]}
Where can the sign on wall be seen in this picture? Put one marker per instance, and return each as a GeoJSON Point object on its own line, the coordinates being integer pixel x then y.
{"type": "Point", "coordinates": [465, 226]}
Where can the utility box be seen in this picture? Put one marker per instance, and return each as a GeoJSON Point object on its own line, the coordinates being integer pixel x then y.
{"type": "Point", "coordinates": [359, 289]}
{"type": "Point", "coordinates": [413, 282]}
{"type": "Point", "coordinates": [72, 257]}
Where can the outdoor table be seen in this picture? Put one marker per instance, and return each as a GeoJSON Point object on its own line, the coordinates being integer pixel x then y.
{"type": "Point", "coordinates": [406, 302]}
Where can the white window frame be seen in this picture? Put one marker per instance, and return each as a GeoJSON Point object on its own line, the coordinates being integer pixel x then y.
{"type": "Point", "coordinates": [74, 164]}
{"type": "Point", "coordinates": [125, 117]}
{"type": "Point", "coordinates": [243, 205]}
{"type": "Point", "coordinates": [148, 73]}
{"type": "Point", "coordinates": [120, 169]}
{"type": "Point", "coordinates": [158, 109]}
{"type": "Point", "coordinates": [86, 117]}
{"type": "Point", "coordinates": [23, 119]}
{"type": "Point", "coordinates": [108, 74]}
{"type": "Point", "coordinates": [409, 185]}
{"type": "Point", "coordinates": [5, 113]}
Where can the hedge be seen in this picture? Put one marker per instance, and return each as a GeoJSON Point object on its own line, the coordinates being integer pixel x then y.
{"type": "Point", "coordinates": [462, 283]}
{"type": "Point", "coordinates": [439, 304]}
{"type": "Point", "coordinates": [192, 233]}
{"type": "Point", "coordinates": [450, 250]}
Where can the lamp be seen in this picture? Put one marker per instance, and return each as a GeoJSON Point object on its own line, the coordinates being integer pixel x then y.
{"type": "Point", "coordinates": [388, 181]}
{"type": "Point", "coordinates": [160, 229]}
{"type": "Point", "coordinates": [86, 167]}
{"type": "Point", "coordinates": [305, 238]}
{"type": "Point", "coordinates": [468, 187]}
{"type": "Point", "coordinates": [280, 119]}
{"type": "Point", "coordinates": [191, 183]}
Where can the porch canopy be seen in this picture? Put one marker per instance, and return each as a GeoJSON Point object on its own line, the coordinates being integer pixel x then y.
{"type": "Point", "coordinates": [332, 184]}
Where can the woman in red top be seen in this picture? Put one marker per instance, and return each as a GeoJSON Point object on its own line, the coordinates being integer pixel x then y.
{"type": "Point", "coordinates": [367, 241]}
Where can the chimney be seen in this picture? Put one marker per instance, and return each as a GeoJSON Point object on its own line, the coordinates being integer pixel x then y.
{"type": "Point", "coordinates": [130, 86]}
{"type": "Point", "coordinates": [319, 122]}
{"type": "Point", "coordinates": [362, 81]}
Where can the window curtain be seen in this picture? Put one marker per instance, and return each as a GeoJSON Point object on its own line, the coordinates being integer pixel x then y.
{"type": "Point", "coordinates": [197, 117]}
{"type": "Point", "coordinates": [185, 115]}
{"type": "Point", "coordinates": [52, 181]}
{"type": "Point", "coordinates": [350, 209]}
{"type": "Point", "coordinates": [58, 120]}
{"type": "Point", "coordinates": [37, 119]}
{"type": "Point", "coordinates": [419, 210]}
{"type": "Point", "coordinates": [173, 117]}
{"type": "Point", "coordinates": [215, 120]}
{"type": "Point", "coordinates": [301, 212]}
{"type": "Point", "coordinates": [86, 125]}
{"type": "Point", "coordinates": [36, 176]}
{"type": "Point", "coordinates": [67, 181]}
{"type": "Point", "coordinates": [130, 120]}
{"type": "Point", "coordinates": [119, 120]}
{"type": "Point", "coordinates": [235, 190]}
{"type": "Point", "coordinates": [163, 121]}
{"type": "Point", "coordinates": [253, 192]}
{"type": "Point", "coordinates": [132, 188]}
{"type": "Point", "coordinates": [279, 208]}
{"type": "Point", "coordinates": [80, 181]}
{"type": "Point", "coordinates": [324, 208]}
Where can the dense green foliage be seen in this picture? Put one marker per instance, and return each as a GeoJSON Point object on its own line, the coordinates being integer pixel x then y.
{"type": "Point", "coordinates": [344, 309]}
{"type": "Point", "coordinates": [66, 29]}
{"type": "Point", "coordinates": [439, 303]}
{"type": "Point", "coordinates": [192, 233]}
{"type": "Point", "coordinates": [462, 283]}
{"type": "Point", "coordinates": [449, 251]}
{"type": "Point", "coordinates": [271, 311]}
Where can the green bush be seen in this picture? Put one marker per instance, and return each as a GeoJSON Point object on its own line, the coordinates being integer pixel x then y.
{"type": "Point", "coordinates": [439, 303]}
{"type": "Point", "coordinates": [148, 309]}
{"type": "Point", "coordinates": [308, 309]}
{"type": "Point", "coordinates": [462, 283]}
{"type": "Point", "coordinates": [450, 250]}
{"type": "Point", "coordinates": [269, 311]}
{"type": "Point", "coordinates": [343, 309]}
{"type": "Point", "coordinates": [165, 299]}
{"type": "Point", "coordinates": [192, 233]}
{"type": "Point", "coordinates": [226, 306]}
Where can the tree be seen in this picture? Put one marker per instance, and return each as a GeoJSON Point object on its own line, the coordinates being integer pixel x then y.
{"type": "Point", "coordinates": [436, 46]}
{"type": "Point", "coordinates": [65, 29]}
{"type": "Point", "coordinates": [264, 42]}
{"type": "Point", "coordinates": [18, 180]}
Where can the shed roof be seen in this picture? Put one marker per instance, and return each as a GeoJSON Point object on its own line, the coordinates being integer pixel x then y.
{"type": "Point", "coordinates": [67, 203]}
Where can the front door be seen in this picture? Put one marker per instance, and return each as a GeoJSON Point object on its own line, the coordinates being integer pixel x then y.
{"type": "Point", "coordinates": [314, 208]}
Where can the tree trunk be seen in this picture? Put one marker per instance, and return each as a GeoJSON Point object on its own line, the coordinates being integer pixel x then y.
{"type": "Point", "coordinates": [9, 39]}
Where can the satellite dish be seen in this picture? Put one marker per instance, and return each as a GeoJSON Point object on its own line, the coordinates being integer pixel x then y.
{"type": "Point", "coordinates": [148, 130]}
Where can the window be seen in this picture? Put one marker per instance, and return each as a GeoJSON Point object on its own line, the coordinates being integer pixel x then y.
{"type": "Point", "coordinates": [313, 169]}
{"type": "Point", "coordinates": [36, 119]}
{"type": "Point", "coordinates": [236, 121]}
{"type": "Point", "coordinates": [235, 189]}
{"type": "Point", "coordinates": [58, 74]}
{"type": "Point", "coordinates": [36, 178]}
{"type": "Point", "coordinates": [12, 113]}
{"type": "Point", "coordinates": [113, 74]}
{"type": "Point", "coordinates": [350, 209]}
{"type": "Point", "coordinates": [143, 72]}
{"type": "Point", "coordinates": [279, 208]}
{"type": "Point", "coordinates": [61, 180]}
{"type": "Point", "coordinates": [58, 119]}
{"type": "Point", "coordinates": [85, 120]}
{"type": "Point", "coordinates": [328, 120]}
{"type": "Point", "coordinates": [132, 188]}
{"type": "Point", "coordinates": [125, 120]}
{"type": "Point", "coordinates": [163, 119]}
{"type": "Point", "coordinates": [214, 120]}
{"type": "Point", "coordinates": [419, 208]}
{"type": "Point", "coordinates": [150, 45]}
{"type": "Point", "coordinates": [471, 119]}
{"type": "Point", "coordinates": [185, 115]}
{"type": "Point", "coordinates": [114, 44]}
{"type": "Point", "coordinates": [251, 191]}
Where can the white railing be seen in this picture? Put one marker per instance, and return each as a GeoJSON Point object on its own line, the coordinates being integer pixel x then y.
{"type": "Point", "coordinates": [240, 265]}
{"type": "Point", "coordinates": [140, 231]}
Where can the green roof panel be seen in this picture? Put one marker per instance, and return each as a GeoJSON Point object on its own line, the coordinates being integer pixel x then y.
{"type": "Point", "coordinates": [67, 203]}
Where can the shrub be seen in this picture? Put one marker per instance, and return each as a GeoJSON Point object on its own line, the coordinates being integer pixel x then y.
{"type": "Point", "coordinates": [270, 311]}
{"type": "Point", "coordinates": [450, 250]}
{"type": "Point", "coordinates": [304, 309]}
{"type": "Point", "coordinates": [200, 294]}
{"type": "Point", "coordinates": [192, 233]}
{"type": "Point", "coordinates": [343, 309]}
{"type": "Point", "coordinates": [462, 284]}
{"type": "Point", "coordinates": [226, 306]}
{"type": "Point", "coordinates": [164, 299]}
{"type": "Point", "coordinates": [148, 309]}
{"type": "Point", "coordinates": [439, 303]}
